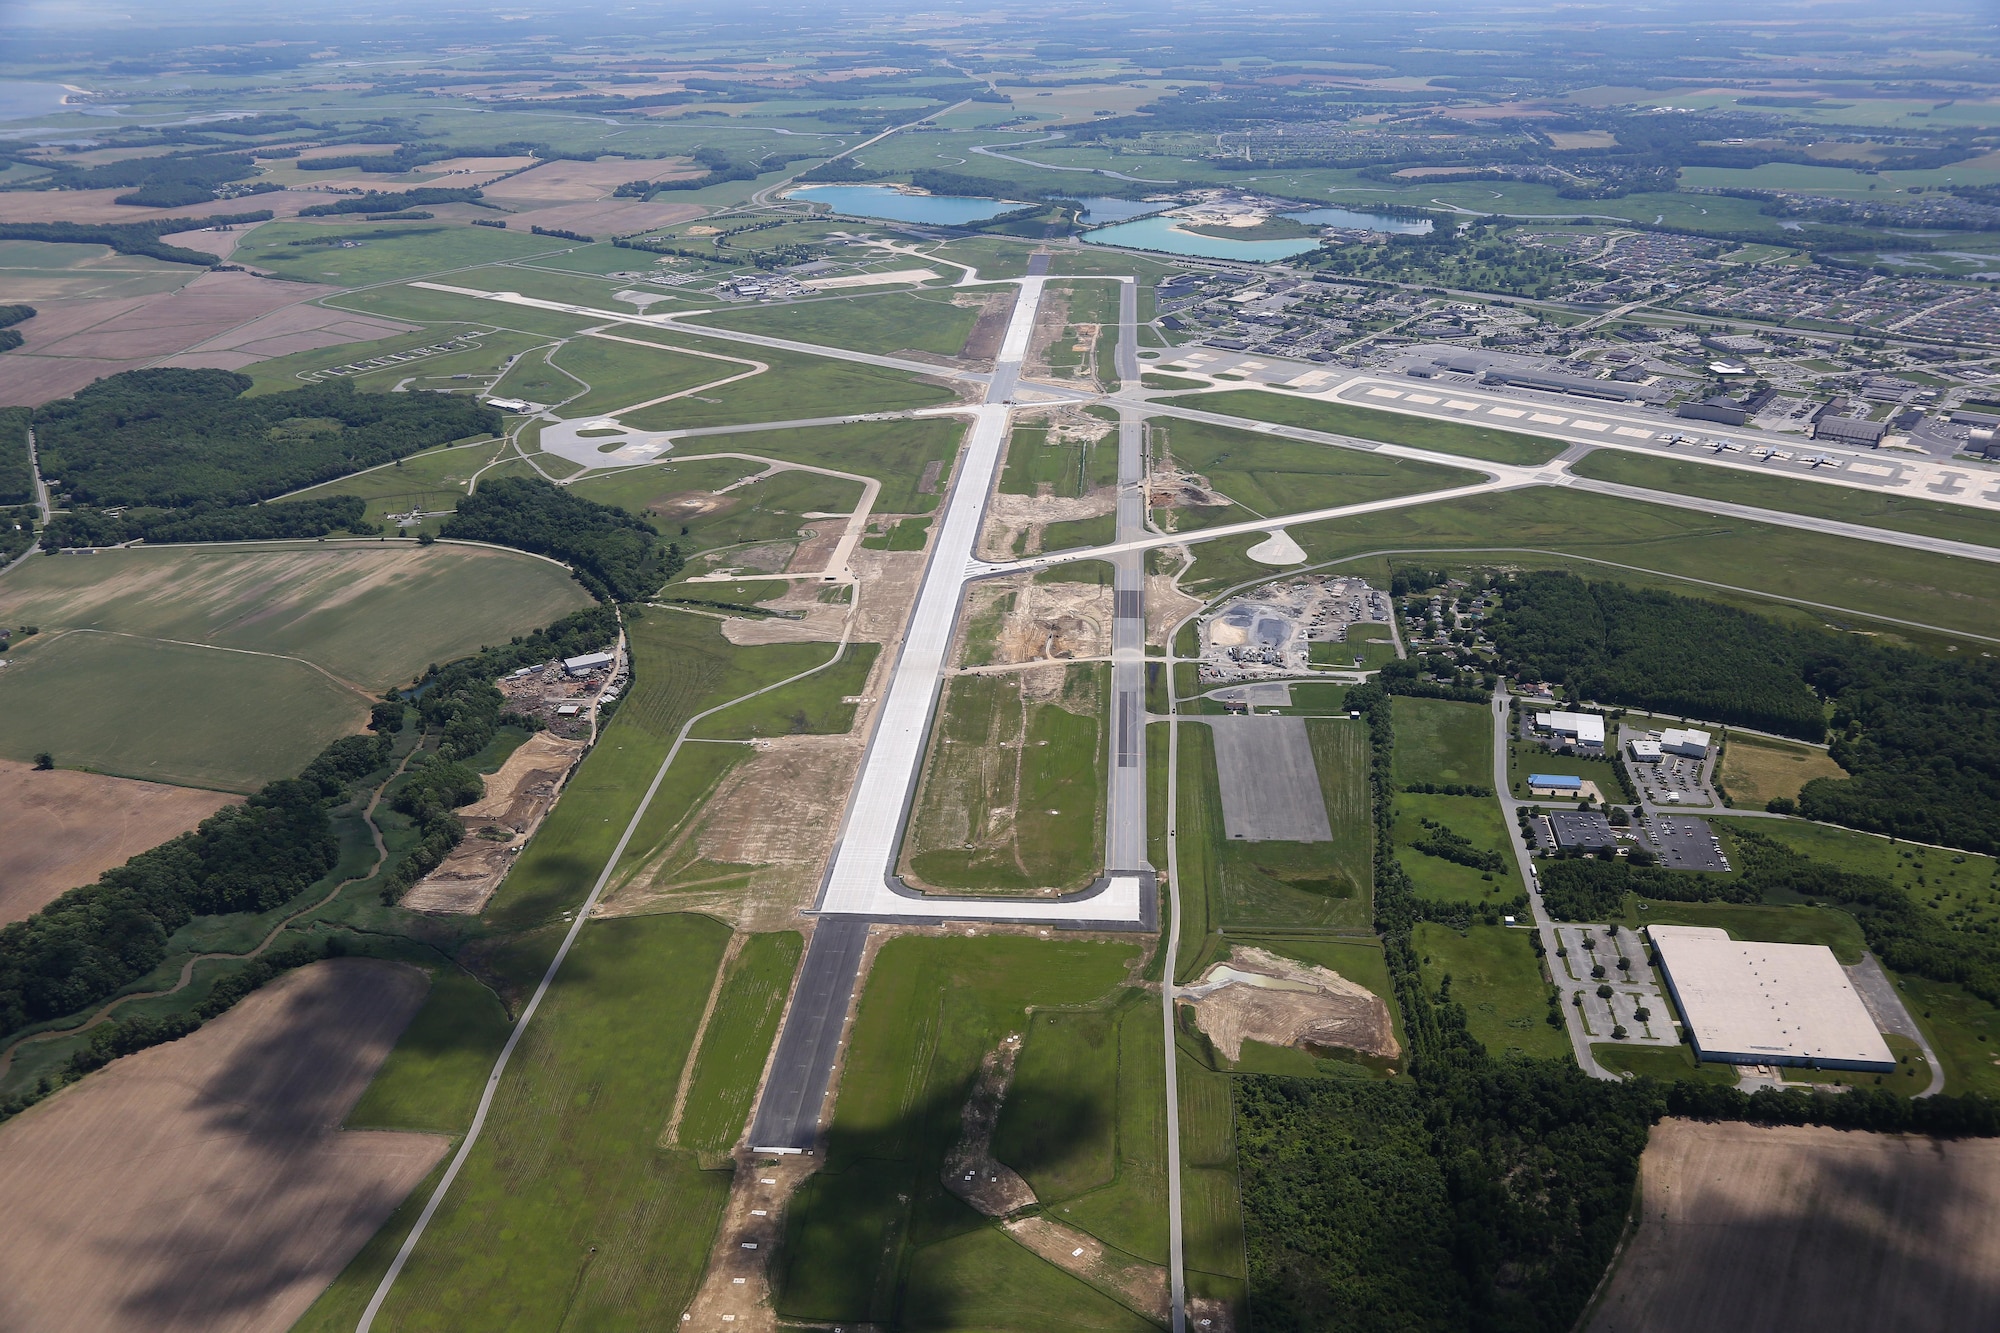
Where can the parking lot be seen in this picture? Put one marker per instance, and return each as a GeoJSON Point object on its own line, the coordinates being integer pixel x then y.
{"type": "Point", "coordinates": [1682, 843]}
{"type": "Point", "coordinates": [1675, 780]}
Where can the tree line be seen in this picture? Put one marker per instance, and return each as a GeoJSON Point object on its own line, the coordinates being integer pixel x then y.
{"type": "Point", "coordinates": [132, 238]}
{"type": "Point", "coordinates": [170, 437]}
{"type": "Point", "coordinates": [10, 315]}
{"type": "Point", "coordinates": [287, 519]}
{"type": "Point", "coordinates": [374, 201]}
{"type": "Point", "coordinates": [17, 475]}
{"type": "Point", "coordinates": [87, 944]}
{"type": "Point", "coordinates": [1919, 735]}
{"type": "Point", "coordinates": [616, 555]}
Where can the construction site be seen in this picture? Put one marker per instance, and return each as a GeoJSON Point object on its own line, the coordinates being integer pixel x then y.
{"type": "Point", "coordinates": [1269, 633]}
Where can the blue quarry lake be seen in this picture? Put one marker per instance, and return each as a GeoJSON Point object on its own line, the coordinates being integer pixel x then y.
{"type": "Point", "coordinates": [879, 201]}
{"type": "Point", "coordinates": [1164, 235]}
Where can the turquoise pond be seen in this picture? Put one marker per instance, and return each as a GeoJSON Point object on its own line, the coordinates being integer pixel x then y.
{"type": "Point", "coordinates": [880, 201]}
{"type": "Point", "coordinates": [1164, 235]}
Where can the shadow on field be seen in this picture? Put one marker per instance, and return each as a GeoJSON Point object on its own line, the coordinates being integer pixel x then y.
{"type": "Point", "coordinates": [562, 881]}
{"type": "Point", "coordinates": [261, 1195]}
{"type": "Point", "coordinates": [857, 1227]}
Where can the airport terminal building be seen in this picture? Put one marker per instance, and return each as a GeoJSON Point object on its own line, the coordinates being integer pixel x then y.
{"type": "Point", "coordinates": [1752, 1003]}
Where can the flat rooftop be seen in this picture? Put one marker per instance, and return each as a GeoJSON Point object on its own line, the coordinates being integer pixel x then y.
{"type": "Point", "coordinates": [1748, 1002]}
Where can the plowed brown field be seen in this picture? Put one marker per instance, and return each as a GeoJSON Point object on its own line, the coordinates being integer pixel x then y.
{"type": "Point", "coordinates": [205, 1184]}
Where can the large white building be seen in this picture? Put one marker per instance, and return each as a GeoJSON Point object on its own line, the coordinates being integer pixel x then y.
{"type": "Point", "coordinates": [1751, 1003]}
{"type": "Point", "coordinates": [1689, 742]}
{"type": "Point", "coordinates": [1581, 729]}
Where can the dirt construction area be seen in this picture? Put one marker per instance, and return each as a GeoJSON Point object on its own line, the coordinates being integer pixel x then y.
{"type": "Point", "coordinates": [497, 826]}
{"type": "Point", "coordinates": [60, 830]}
{"type": "Point", "coordinates": [1743, 1227]}
{"type": "Point", "coordinates": [205, 1184]}
{"type": "Point", "coordinates": [1258, 996]}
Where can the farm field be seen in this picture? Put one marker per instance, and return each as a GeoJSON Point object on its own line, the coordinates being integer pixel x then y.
{"type": "Point", "coordinates": [933, 1007]}
{"type": "Point", "coordinates": [1448, 437]}
{"type": "Point", "coordinates": [1442, 742]}
{"type": "Point", "coordinates": [1496, 976]}
{"type": "Point", "coordinates": [569, 1157]}
{"type": "Point", "coordinates": [1806, 1227]}
{"type": "Point", "coordinates": [1844, 503]}
{"type": "Point", "coordinates": [168, 712]}
{"type": "Point", "coordinates": [62, 829]}
{"type": "Point", "coordinates": [195, 1185]}
{"type": "Point", "coordinates": [1755, 770]}
{"type": "Point", "coordinates": [1012, 795]}
{"type": "Point", "coordinates": [432, 1079]}
{"type": "Point", "coordinates": [1652, 546]}
{"type": "Point", "coordinates": [385, 252]}
{"type": "Point", "coordinates": [370, 613]}
{"type": "Point", "coordinates": [1268, 476]}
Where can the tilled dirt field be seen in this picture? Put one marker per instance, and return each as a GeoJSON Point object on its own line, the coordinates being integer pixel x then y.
{"type": "Point", "coordinates": [1743, 1227]}
{"type": "Point", "coordinates": [63, 829]}
{"type": "Point", "coordinates": [204, 1185]}
{"type": "Point", "coordinates": [498, 826]}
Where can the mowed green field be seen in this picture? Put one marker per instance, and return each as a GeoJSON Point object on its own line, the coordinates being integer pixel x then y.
{"type": "Point", "coordinates": [874, 1236]}
{"type": "Point", "coordinates": [816, 705]}
{"type": "Point", "coordinates": [740, 1032]}
{"type": "Point", "coordinates": [1267, 476]}
{"type": "Point", "coordinates": [568, 1211]}
{"type": "Point", "coordinates": [1012, 798]}
{"type": "Point", "coordinates": [432, 1080]}
{"type": "Point", "coordinates": [1448, 437]}
{"type": "Point", "coordinates": [1477, 819]}
{"type": "Point", "coordinates": [1819, 499]}
{"type": "Point", "coordinates": [1654, 546]}
{"type": "Point", "coordinates": [1442, 742]}
{"type": "Point", "coordinates": [1496, 976]}
{"type": "Point", "coordinates": [883, 323]}
{"type": "Point", "coordinates": [680, 503]}
{"type": "Point", "coordinates": [617, 374]}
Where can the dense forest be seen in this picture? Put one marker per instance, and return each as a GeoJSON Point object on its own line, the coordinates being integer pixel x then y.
{"type": "Point", "coordinates": [251, 857]}
{"type": "Point", "coordinates": [212, 523]}
{"type": "Point", "coordinates": [1919, 734]}
{"type": "Point", "coordinates": [17, 476]}
{"type": "Point", "coordinates": [616, 556]}
{"type": "Point", "coordinates": [171, 437]}
{"type": "Point", "coordinates": [394, 202]}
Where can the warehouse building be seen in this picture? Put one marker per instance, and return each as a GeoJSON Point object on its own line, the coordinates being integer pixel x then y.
{"type": "Point", "coordinates": [1570, 384]}
{"type": "Point", "coordinates": [1583, 730]}
{"type": "Point", "coordinates": [1751, 1003]}
{"type": "Point", "coordinates": [1586, 831]}
{"type": "Point", "coordinates": [1643, 751]}
{"type": "Point", "coordinates": [578, 666]}
{"type": "Point", "coordinates": [1685, 741]}
{"type": "Point", "coordinates": [1846, 430]}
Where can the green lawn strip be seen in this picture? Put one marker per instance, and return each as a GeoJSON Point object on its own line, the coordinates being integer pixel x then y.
{"type": "Point", "coordinates": [813, 706]}
{"type": "Point", "coordinates": [984, 1280]}
{"type": "Point", "coordinates": [797, 385]}
{"type": "Point", "coordinates": [1199, 846]}
{"type": "Point", "coordinates": [682, 665]}
{"type": "Point", "coordinates": [1154, 380]}
{"type": "Point", "coordinates": [979, 751]}
{"type": "Point", "coordinates": [1661, 1062]}
{"type": "Point", "coordinates": [905, 534]}
{"type": "Point", "coordinates": [432, 1079]}
{"type": "Point", "coordinates": [1211, 1209]}
{"type": "Point", "coordinates": [932, 1008]}
{"type": "Point", "coordinates": [1270, 475]}
{"type": "Point", "coordinates": [883, 323]}
{"type": "Point", "coordinates": [1450, 437]}
{"type": "Point", "coordinates": [381, 252]}
{"type": "Point", "coordinates": [567, 1210]}
{"type": "Point", "coordinates": [620, 374]}
{"type": "Point", "coordinates": [1495, 975]}
{"type": "Point", "coordinates": [740, 1031]}
{"type": "Point", "coordinates": [1963, 1029]}
{"type": "Point", "coordinates": [1101, 530]}
{"type": "Point", "coordinates": [1477, 819]}
{"type": "Point", "coordinates": [449, 309]}
{"type": "Point", "coordinates": [1440, 742]}
{"type": "Point", "coordinates": [736, 592]}
{"type": "Point", "coordinates": [1819, 499]}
